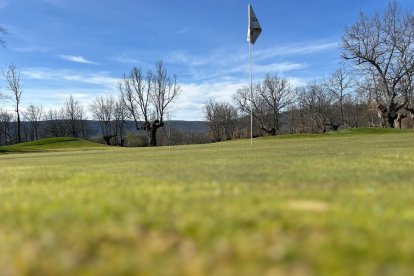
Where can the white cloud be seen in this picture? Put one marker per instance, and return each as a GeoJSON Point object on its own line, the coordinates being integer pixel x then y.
{"type": "Point", "coordinates": [190, 102]}
{"type": "Point", "coordinates": [124, 58]}
{"type": "Point", "coordinates": [181, 57]}
{"type": "Point", "coordinates": [217, 75]}
{"type": "Point", "coordinates": [98, 78]}
{"type": "Point", "coordinates": [279, 67]}
{"type": "Point", "coordinates": [51, 88]}
{"type": "Point", "coordinates": [234, 62]}
{"type": "Point", "coordinates": [297, 82]}
{"type": "Point", "coordinates": [188, 105]}
{"type": "Point", "coordinates": [229, 57]}
{"type": "Point", "coordinates": [268, 68]}
{"type": "Point", "coordinates": [295, 49]}
{"type": "Point", "coordinates": [77, 59]}
{"type": "Point", "coordinates": [50, 98]}
{"type": "Point", "coordinates": [37, 74]}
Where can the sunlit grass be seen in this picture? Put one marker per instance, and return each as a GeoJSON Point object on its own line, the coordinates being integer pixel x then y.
{"type": "Point", "coordinates": [50, 144]}
{"type": "Point", "coordinates": [337, 204]}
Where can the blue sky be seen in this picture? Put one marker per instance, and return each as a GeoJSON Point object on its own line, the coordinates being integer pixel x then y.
{"type": "Point", "coordinates": [83, 47]}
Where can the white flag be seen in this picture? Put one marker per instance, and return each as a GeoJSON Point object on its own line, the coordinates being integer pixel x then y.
{"type": "Point", "coordinates": [254, 29]}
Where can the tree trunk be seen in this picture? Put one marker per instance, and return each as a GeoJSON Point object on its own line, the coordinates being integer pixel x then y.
{"type": "Point", "coordinates": [390, 120]}
{"type": "Point", "coordinates": [335, 127]}
{"type": "Point", "coordinates": [398, 121]}
{"type": "Point", "coordinates": [152, 136]}
{"type": "Point", "coordinates": [19, 137]}
{"type": "Point", "coordinates": [107, 139]}
{"type": "Point", "coordinates": [270, 131]}
{"type": "Point", "coordinates": [398, 124]}
{"type": "Point", "coordinates": [152, 132]}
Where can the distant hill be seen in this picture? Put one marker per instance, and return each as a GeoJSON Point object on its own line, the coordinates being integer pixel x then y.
{"type": "Point", "coordinates": [198, 127]}
{"type": "Point", "coordinates": [190, 126]}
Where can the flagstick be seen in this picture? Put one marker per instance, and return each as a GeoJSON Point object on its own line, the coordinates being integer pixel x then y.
{"type": "Point", "coordinates": [253, 33]}
{"type": "Point", "coordinates": [251, 95]}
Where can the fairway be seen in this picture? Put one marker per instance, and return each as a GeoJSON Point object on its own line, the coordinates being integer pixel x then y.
{"type": "Point", "coordinates": [332, 204]}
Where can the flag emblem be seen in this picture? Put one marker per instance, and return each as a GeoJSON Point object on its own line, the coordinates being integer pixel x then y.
{"type": "Point", "coordinates": [254, 28]}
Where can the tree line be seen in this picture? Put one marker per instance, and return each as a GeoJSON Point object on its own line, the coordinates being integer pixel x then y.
{"type": "Point", "coordinates": [373, 87]}
{"type": "Point", "coordinates": [143, 99]}
{"type": "Point", "coordinates": [279, 108]}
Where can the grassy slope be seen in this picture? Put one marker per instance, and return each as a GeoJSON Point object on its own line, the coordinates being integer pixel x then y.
{"type": "Point", "coordinates": [51, 144]}
{"type": "Point", "coordinates": [335, 205]}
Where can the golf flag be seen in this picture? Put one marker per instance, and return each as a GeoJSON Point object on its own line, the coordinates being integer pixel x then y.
{"type": "Point", "coordinates": [254, 27]}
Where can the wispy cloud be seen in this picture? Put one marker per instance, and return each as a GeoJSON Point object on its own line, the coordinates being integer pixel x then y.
{"type": "Point", "coordinates": [282, 67]}
{"type": "Point", "coordinates": [51, 87]}
{"type": "Point", "coordinates": [234, 61]}
{"type": "Point", "coordinates": [295, 49]}
{"type": "Point", "coordinates": [217, 74]}
{"type": "Point", "coordinates": [77, 59]}
{"type": "Point", "coordinates": [181, 57]}
{"type": "Point", "coordinates": [31, 49]}
{"type": "Point", "coordinates": [297, 82]}
{"type": "Point", "coordinates": [229, 57]}
{"type": "Point", "coordinates": [52, 98]}
{"type": "Point", "coordinates": [194, 95]}
{"type": "Point", "coordinates": [101, 79]}
{"type": "Point", "coordinates": [127, 59]}
{"type": "Point", "coordinates": [85, 86]}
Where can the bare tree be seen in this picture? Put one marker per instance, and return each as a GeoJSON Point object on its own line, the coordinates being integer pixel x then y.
{"type": "Point", "coordinates": [6, 128]}
{"type": "Point", "coordinates": [33, 115]}
{"type": "Point", "coordinates": [296, 120]}
{"type": "Point", "coordinates": [121, 116]}
{"type": "Point", "coordinates": [210, 114]}
{"type": "Point", "coordinates": [135, 93]}
{"type": "Point", "coordinates": [382, 46]}
{"type": "Point", "coordinates": [74, 117]}
{"type": "Point", "coordinates": [340, 85]}
{"type": "Point", "coordinates": [168, 129]}
{"type": "Point", "coordinates": [270, 97]}
{"type": "Point", "coordinates": [317, 105]}
{"type": "Point", "coordinates": [222, 120]}
{"type": "Point", "coordinates": [54, 124]}
{"type": "Point", "coordinates": [104, 110]}
{"type": "Point", "coordinates": [12, 77]}
{"type": "Point", "coordinates": [148, 98]}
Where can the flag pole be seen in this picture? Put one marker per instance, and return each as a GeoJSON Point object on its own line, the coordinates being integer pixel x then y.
{"type": "Point", "coordinates": [253, 33]}
{"type": "Point", "coordinates": [251, 95]}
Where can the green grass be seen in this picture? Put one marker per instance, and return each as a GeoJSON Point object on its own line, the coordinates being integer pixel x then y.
{"type": "Point", "coordinates": [349, 131]}
{"type": "Point", "coordinates": [337, 204]}
{"type": "Point", "coordinates": [51, 144]}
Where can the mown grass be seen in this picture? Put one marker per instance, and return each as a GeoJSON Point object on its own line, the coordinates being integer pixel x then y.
{"type": "Point", "coordinates": [337, 204]}
{"type": "Point", "coordinates": [50, 144]}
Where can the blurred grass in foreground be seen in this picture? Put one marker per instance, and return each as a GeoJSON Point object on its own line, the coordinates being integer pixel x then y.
{"type": "Point", "coordinates": [337, 204]}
